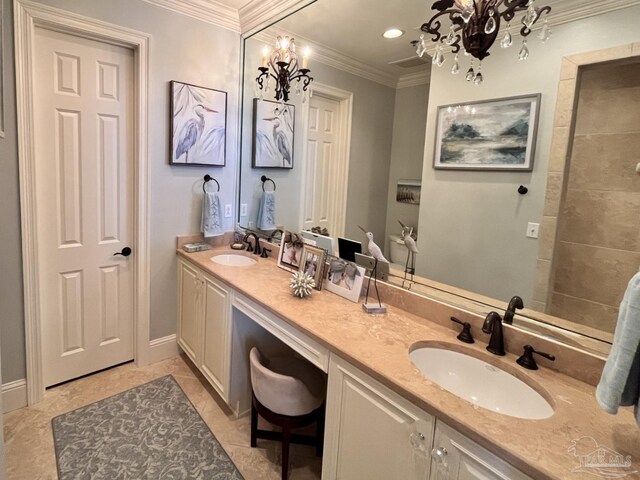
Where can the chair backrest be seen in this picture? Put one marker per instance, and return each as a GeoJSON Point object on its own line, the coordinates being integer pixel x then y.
{"type": "Point", "coordinates": [280, 393]}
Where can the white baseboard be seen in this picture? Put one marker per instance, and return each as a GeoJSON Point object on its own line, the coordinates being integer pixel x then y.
{"type": "Point", "coordinates": [162, 348]}
{"type": "Point", "coordinates": [14, 395]}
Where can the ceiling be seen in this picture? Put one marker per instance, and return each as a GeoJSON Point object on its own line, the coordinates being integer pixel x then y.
{"type": "Point", "coordinates": [362, 39]}
{"type": "Point", "coordinates": [353, 28]}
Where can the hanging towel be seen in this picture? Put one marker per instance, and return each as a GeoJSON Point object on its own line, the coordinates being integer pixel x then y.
{"type": "Point", "coordinates": [267, 211]}
{"type": "Point", "coordinates": [620, 381]}
{"type": "Point", "coordinates": [211, 215]}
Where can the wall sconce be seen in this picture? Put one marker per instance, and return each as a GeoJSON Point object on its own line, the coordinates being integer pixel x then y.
{"type": "Point", "coordinates": [476, 24]}
{"type": "Point", "coordinates": [283, 66]}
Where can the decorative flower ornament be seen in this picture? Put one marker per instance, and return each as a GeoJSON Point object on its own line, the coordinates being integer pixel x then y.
{"type": "Point", "coordinates": [301, 284]}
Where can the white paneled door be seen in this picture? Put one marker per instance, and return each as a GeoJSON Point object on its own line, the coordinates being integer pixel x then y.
{"type": "Point", "coordinates": [83, 114]}
{"type": "Point", "coordinates": [322, 154]}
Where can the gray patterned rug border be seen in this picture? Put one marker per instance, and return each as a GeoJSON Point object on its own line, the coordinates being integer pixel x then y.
{"type": "Point", "coordinates": [222, 467]}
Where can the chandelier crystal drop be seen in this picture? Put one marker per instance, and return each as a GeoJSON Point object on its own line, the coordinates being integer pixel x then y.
{"type": "Point", "coordinates": [455, 69]}
{"type": "Point", "coordinates": [474, 26]}
{"type": "Point", "coordinates": [284, 66]}
{"type": "Point", "coordinates": [507, 40]}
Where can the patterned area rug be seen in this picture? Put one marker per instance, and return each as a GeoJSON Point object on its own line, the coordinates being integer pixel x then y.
{"type": "Point", "coordinates": [149, 432]}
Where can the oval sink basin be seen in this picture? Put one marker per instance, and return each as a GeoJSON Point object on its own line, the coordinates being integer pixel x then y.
{"type": "Point", "coordinates": [480, 383]}
{"type": "Point", "coordinates": [231, 260]}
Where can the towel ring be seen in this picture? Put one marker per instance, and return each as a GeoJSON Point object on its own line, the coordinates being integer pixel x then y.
{"type": "Point", "coordinates": [264, 179]}
{"type": "Point", "coordinates": [207, 178]}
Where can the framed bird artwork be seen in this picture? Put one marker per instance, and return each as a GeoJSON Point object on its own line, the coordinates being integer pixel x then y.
{"type": "Point", "coordinates": [198, 125]}
{"type": "Point", "coordinates": [273, 128]}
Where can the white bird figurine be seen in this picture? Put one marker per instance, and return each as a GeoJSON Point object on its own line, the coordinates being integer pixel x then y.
{"type": "Point", "coordinates": [412, 248]}
{"type": "Point", "coordinates": [374, 249]}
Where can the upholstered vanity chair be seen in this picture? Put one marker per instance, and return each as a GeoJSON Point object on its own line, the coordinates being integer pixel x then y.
{"type": "Point", "coordinates": [289, 393]}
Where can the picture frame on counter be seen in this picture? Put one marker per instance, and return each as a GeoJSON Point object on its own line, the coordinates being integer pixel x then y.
{"type": "Point", "coordinates": [313, 263]}
{"type": "Point", "coordinates": [344, 278]}
{"type": "Point", "coordinates": [291, 251]}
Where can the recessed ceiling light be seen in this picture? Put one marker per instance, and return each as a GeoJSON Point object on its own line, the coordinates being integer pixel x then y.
{"type": "Point", "coordinates": [393, 33]}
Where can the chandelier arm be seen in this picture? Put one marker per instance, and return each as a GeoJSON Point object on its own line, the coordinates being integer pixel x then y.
{"type": "Point", "coordinates": [433, 25]}
{"type": "Point", "coordinates": [512, 7]}
{"type": "Point", "coordinates": [525, 31]}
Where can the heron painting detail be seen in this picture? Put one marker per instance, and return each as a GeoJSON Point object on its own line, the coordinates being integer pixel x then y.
{"type": "Point", "coordinates": [198, 125]}
{"type": "Point", "coordinates": [273, 134]}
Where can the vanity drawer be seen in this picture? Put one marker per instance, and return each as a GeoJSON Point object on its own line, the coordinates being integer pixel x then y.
{"type": "Point", "coordinates": [310, 349]}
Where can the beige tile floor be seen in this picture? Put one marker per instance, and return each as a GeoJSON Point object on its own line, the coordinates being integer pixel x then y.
{"type": "Point", "coordinates": [29, 439]}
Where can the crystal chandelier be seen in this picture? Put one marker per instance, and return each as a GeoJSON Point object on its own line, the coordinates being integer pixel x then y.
{"type": "Point", "coordinates": [476, 24]}
{"type": "Point", "coordinates": [281, 64]}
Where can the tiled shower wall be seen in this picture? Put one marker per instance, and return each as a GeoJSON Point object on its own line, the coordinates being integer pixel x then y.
{"type": "Point", "coordinates": [598, 243]}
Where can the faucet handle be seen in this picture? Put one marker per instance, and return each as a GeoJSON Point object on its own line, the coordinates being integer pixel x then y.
{"type": "Point", "coordinates": [465, 335]}
{"type": "Point", "coordinates": [265, 252]}
{"type": "Point", "coordinates": [527, 361]}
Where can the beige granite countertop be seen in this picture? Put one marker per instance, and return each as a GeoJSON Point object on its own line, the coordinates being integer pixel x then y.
{"type": "Point", "coordinates": [379, 346]}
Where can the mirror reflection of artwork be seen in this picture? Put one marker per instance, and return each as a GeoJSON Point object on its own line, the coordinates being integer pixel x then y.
{"type": "Point", "coordinates": [408, 191]}
{"type": "Point", "coordinates": [489, 135]}
{"type": "Point", "coordinates": [273, 138]}
{"type": "Point", "coordinates": [198, 125]}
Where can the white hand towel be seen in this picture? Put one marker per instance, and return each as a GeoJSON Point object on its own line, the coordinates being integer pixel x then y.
{"type": "Point", "coordinates": [212, 215]}
{"type": "Point", "coordinates": [267, 211]}
{"type": "Point", "coordinates": [620, 381]}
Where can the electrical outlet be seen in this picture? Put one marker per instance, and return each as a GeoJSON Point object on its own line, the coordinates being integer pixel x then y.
{"type": "Point", "coordinates": [227, 210]}
{"type": "Point", "coordinates": [533, 230]}
{"type": "Point", "coordinates": [243, 209]}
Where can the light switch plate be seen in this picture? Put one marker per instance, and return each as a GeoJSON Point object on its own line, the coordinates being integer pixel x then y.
{"type": "Point", "coordinates": [533, 230]}
{"type": "Point", "coordinates": [227, 210]}
{"type": "Point", "coordinates": [243, 209]}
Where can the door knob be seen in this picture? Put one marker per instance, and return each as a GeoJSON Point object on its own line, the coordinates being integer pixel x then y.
{"type": "Point", "coordinates": [126, 251]}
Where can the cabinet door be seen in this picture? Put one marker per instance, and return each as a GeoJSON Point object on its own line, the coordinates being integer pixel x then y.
{"type": "Point", "coordinates": [216, 354]}
{"type": "Point", "coordinates": [189, 316]}
{"type": "Point", "coordinates": [455, 457]}
{"type": "Point", "coordinates": [371, 432]}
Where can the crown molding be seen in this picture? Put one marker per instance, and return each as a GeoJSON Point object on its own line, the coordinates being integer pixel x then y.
{"type": "Point", "coordinates": [333, 58]}
{"type": "Point", "coordinates": [208, 11]}
{"type": "Point", "coordinates": [257, 14]}
{"type": "Point", "coordinates": [566, 11]}
{"type": "Point", "coordinates": [414, 79]}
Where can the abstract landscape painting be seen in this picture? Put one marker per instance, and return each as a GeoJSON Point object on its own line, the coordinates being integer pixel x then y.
{"type": "Point", "coordinates": [198, 125]}
{"type": "Point", "coordinates": [273, 134]}
{"type": "Point", "coordinates": [490, 135]}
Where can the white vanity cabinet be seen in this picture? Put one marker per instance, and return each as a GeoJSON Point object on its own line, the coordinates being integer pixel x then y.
{"type": "Point", "coordinates": [372, 432]}
{"type": "Point", "coordinates": [204, 325]}
{"type": "Point", "coordinates": [455, 457]}
{"type": "Point", "coordinates": [189, 335]}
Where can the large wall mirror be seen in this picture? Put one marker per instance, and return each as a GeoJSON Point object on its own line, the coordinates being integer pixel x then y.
{"type": "Point", "coordinates": [362, 149]}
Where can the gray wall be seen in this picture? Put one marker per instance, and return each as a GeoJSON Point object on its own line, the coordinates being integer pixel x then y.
{"type": "Point", "coordinates": [472, 224]}
{"type": "Point", "coordinates": [11, 307]}
{"type": "Point", "coordinates": [407, 154]}
{"type": "Point", "coordinates": [372, 129]}
{"type": "Point", "coordinates": [182, 49]}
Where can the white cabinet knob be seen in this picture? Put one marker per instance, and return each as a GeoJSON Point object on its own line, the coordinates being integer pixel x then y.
{"type": "Point", "coordinates": [417, 440]}
{"type": "Point", "coordinates": [439, 455]}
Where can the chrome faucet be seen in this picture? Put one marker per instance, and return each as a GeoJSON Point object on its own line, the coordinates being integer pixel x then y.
{"type": "Point", "coordinates": [255, 249]}
{"type": "Point", "coordinates": [493, 325]}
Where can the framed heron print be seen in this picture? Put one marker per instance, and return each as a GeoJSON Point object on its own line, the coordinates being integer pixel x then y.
{"type": "Point", "coordinates": [489, 135]}
{"type": "Point", "coordinates": [198, 125]}
{"type": "Point", "coordinates": [273, 126]}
